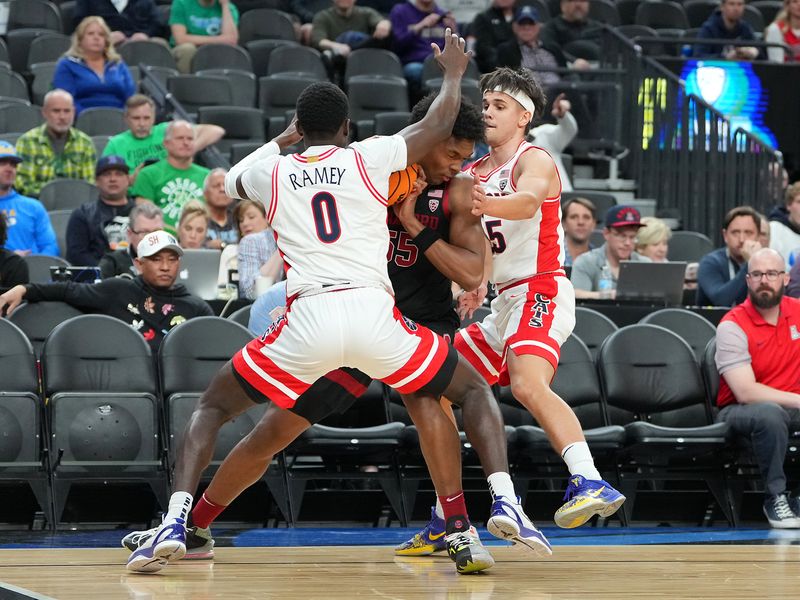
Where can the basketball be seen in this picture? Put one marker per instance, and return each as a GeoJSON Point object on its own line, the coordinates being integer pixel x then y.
{"type": "Point", "coordinates": [402, 182]}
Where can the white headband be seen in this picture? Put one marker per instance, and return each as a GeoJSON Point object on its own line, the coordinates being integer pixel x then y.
{"type": "Point", "coordinates": [520, 97]}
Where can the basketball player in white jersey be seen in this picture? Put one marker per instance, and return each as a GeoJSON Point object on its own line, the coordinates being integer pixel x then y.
{"type": "Point", "coordinates": [517, 192]}
{"type": "Point", "coordinates": [327, 207]}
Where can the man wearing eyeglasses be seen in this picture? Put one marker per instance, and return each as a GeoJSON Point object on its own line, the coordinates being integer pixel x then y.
{"type": "Point", "coordinates": [144, 218]}
{"type": "Point", "coordinates": [758, 353]}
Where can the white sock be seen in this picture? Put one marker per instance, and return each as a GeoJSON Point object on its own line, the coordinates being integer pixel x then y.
{"type": "Point", "coordinates": [579, 461]}
{"type": "Point", "coordinates": [439, 510]}
{"type": "Point", "coordinates": [500, 484]}
{"type": "Point", "coordinates": [180, 503]}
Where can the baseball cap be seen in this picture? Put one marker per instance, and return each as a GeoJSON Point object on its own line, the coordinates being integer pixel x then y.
{"type": "Point", "coordinates": [112, 161]}
{"type": "Point", "coordinates": [527, 13]}
{"type": "Point", "coordinates": [623, 216]}
{"type": "Point", "coordinates": [8, 151]}
{"type": "Point", "coordinates": [155, 242]}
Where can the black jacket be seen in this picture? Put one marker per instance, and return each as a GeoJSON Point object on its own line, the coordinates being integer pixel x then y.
{"type": "Point", "coordinates": [558, 33]}
{"type": "Point", "coordinates": [86, 236]}
{"type": "Point", "coordinates": [714, 28]}
{"type": "Point", "coordinates": [13, 269]}
{"type": "Point", "coordinates": [781, 215]}
{"type": "Point", "coordinates": [139, 15]}
{"type": "Point", "coordinates": [151, 311]}
{"type": "Point", "coordinates": [490, 29]}
{"type": "Point", "coordinates": [116, 262]}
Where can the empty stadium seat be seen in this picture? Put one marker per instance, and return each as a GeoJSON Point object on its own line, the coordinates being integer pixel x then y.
{"type": "Point", "coordinates": [103, 413]}
{"type": "Point", "coordinates": [298, 60]}
{"type": "Point", "coordinates": [39, 266]}
{"type": "Point", "coordinates": [368, 98]}
{"type": "Point", "coordinates": [373, 63]}
{"type": "Point", "coordinates": [650, 376]}
{"type": "Point", "coordinates": [37, 319]}
{"type": "Point", "coordinates": [221, 56]}
{"type": "Point", "coordinates": [23, 443]}
{"type": "Point", "coordinates": [101, 120]}
{"type": "Point", "coordinates": [277, 94]}
{"type": "Point", "coordinates": [241, 316]}
{"type": "Point", "coordinates": [147, 52]}
{"type": "Point", "coordinates": [260, 51]}
{"type": "Point", "coordinates": [59, 220]}
{"type": "Point", "coordinates": [662, 14]}
{"type": "Point", "coordinates": [243, 85]}
{"type": "Point", "coordinates": [265, 23]}
{"type": "Point", "coordinates": [690, 327]}
{"type": "Point", "coordinates": [194, 91]}
{"type": "Point", "coordinates": [241, 125]}
{"type": "Point", "coordinates": [48, 47]}
{"type": "Point", "coordinates": [688, 246]}
{"type": "Point", "coordinates": [19, 117]}
{"type": "Point", "coordinates": [13, 85]}
{"type": "Point", "coordinates": [67, 194]}
{"type": "Point", "coordinates": [592, 328]}
{"type": "Point", "coordinates": [601, 200]}
{"type": "Point", "coordinates": [389, 123]}
{"type": "Point", "coordinates": [604, 11]}
{"type": "Point", "coordinates": [698, 11]}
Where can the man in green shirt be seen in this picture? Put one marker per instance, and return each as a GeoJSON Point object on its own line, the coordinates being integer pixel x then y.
{"type": "Point", "coordinates": [144, 139]}
{"type": "Point", "coordinates": [175, 180]}
{"type": "Point", "coordinates": [198, 22]}
{"type": "Point", "coordinates": [56, 149]}
{"type": "Point", "coordinates": [345, 27]}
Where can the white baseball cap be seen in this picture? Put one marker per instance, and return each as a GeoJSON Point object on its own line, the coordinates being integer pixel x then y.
{"type": "Point", "coordinates": [155, 242]}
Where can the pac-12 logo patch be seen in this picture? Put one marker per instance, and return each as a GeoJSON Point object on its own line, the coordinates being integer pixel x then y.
{"type": "Point", "coordinates": [433, 204]}
{"type": "Point", "coordinates": [541, 307]}
{"type": "Point", "coordinates": [411, 325]}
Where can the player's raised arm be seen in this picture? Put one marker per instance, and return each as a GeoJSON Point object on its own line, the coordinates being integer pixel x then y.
{"type": "Point", "coordinates": [438, 123]}
{"type": "Point", "coordinates": [233, 180]}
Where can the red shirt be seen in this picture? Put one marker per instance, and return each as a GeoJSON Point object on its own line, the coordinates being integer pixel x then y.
{"type": "Point", "coordinates": [774, 349]}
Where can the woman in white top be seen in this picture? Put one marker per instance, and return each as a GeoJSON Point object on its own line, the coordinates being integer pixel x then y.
{"type": "Point", "coordinates": [785, 29]}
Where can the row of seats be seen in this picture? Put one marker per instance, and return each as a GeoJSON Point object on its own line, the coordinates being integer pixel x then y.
{"type": "Point", "coordinates": [109, 416]}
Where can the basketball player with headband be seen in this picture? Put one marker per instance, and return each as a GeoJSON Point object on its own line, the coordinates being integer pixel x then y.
{"type": "Point", "coordinates": [517, 192]}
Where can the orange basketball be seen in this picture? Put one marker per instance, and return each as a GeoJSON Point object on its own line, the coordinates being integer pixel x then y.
{"type": "Point", "coordinates": [402, 182]}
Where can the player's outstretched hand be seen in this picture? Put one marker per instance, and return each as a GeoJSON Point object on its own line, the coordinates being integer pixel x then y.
{"type": "Point", "coordinates": [469, 302]}
{"type": "Point", "coordinates": [11, 300]}
{"type": "Point", "coordinates": [454, 58]}
{"type": "Point", "coordinates": [290, 136]}
{"type": "Point", "coordinates": [479, 200]}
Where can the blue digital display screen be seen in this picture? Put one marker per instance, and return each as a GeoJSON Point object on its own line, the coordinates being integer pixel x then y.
{"type": "Point", "coordinates": [733, 89]}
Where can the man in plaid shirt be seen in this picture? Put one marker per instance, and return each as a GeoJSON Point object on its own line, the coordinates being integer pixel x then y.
{"type": "Point", "coordinates": [56, 149]}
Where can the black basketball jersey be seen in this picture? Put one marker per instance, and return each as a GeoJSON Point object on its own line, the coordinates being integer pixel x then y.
{"type": "Point", "coordinates": [422, 293]}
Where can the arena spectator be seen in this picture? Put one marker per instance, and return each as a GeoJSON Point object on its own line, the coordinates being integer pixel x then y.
{"type": "Point", "coordinates": [727, 23]}
{"type": "Point", "coordinates": [99, 226]}
{"type": "Point", "coordinates": [652, 240]}
{"type": "Point", "coordinates": [555, 137]}
{"type": "Point", "coordinates": [785, 29]}
{"type": "Point", "coordinates": [571, 26]}
{"type": "Point", "coordinates": [784, 224]}
{"type": "Point", "coordinates": [594, 273]}
{"type": "Point", "coordinates": [130, 20]}
{"type": "Point", "coordinates": [489, 29]}
{"type": "Point", "coordinates": [764, 233]}
{"type": "Point", "coordinates": [793, 288]}
{"type": "Point", "coordinates": [92, 71]}
{"type": "Point", "coordinates": [759, 392]}
{"type": "Point", "coordinates": [13, 269]}
{"type": "Point", "coordinates": [578, 219]}
{"type": "Point", "coordinates": [199, 22]}
{"type": "Point", "coordinates": [193, 225]}
{"type": "Point", "coordinates": [222, 229]}
{"type": "Point", "coordinates": [55, 149]}
{"type": "Point", "coordinates": [344, 27]}
{"type": "Point", "coordinates": [151, 302]}
{"type": "Point", "coordinates": [144, 139]}
{"type": "Point", "coordinates": [173, 181]}
{"type": "Point", "coordinates": [721, 275]}
{"type": "Point", "coordinates": [144, 218]}
{"type": "Point", "coordinates": [258, 262]}
{"type": "Point", "coordinates": [415, 26]}
{"type": "Point", "coordinates": [27, 226]}
{"type": "Point", "coordinates": [524, 49]}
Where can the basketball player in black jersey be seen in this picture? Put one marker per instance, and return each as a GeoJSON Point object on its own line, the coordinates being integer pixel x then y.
{"type": "Point", "coordinates": [434, 240]}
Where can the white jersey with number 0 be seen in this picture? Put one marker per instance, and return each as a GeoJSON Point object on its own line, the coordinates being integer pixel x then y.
{"type": "Point", "coordinates": [327, 207]}
{"type": "Point", "coordinates": [521, 248]}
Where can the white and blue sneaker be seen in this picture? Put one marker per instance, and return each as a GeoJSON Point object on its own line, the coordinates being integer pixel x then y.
{"type": "Point", "coordinates": [586, 498]}
{"type": "Point", "coordinates": [167, 545]}
{"type": "Point", "coordinates": [509, 522]}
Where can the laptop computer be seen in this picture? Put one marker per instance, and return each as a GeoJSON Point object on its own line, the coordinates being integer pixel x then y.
{"type": "Point", "coordinates": [651, 282]}
{"type": "Point", "coordinates": [199, 272]}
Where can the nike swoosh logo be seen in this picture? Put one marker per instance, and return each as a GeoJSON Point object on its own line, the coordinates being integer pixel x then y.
{"type": "Point", "coordinates": [454, 497]}
{"type": "Point", "coordinates": [596, 493]}
{"type": "Point", "coordinates": [437, 536]}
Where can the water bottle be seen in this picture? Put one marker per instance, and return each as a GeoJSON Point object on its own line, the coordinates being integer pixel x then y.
{"type": "Point", "coordinates": [606, 283]}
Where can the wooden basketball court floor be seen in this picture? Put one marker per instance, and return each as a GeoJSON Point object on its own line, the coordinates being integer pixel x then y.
{"type": "Point", "coordinates": [607, 572]}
